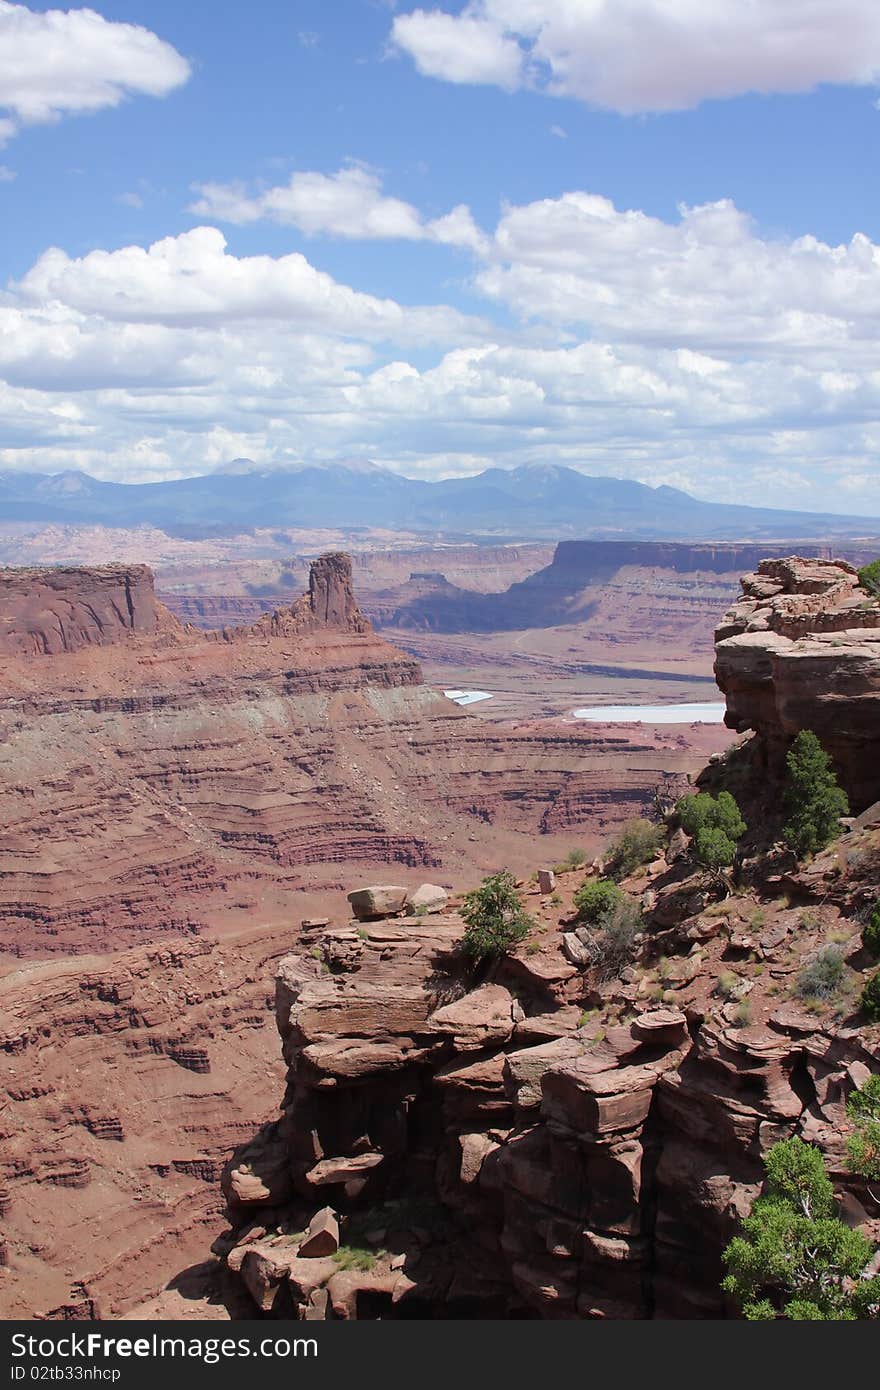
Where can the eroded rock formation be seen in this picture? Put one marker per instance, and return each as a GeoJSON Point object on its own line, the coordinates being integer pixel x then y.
{"type": "Point", "coordinates": [47, 611]}
{"type": "Point", "coordinates": [801, 650]}
{"type": "Point", "coordinates": [535, 1143]}
{"type": "Point", "coordinates": [125, 1080]}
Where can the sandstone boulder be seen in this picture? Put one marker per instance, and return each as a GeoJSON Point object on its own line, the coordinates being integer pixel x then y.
{"type": "Point", "coordinates": [546, 880]}
{"type": "Point", "coordinates": [483, 1018]}
{"type": "Point", "coordinates": [428, 897]}
{"type": "Point", "coordinates": [322, 1236]}
{"type": "Point", "coordinates": [378, 900]}
{"type": "Point", "coordinates": [329, 1171]}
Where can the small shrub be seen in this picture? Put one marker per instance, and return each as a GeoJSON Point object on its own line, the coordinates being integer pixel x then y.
{"type": "Point", "coordinates": [742, 1015]}
{"type": "Point", "coordinates": [871, 933]}
{"type": "Point", "coordinates": [574, 859]}
{"type": "Point", "coordinates": [353, 1257]}
{"type": "Point", "coordinates": [870, 1000]}
{"type": "Point", "coordinates": [727, 986]}
{"type": "Point", "coordinates": [714, 825]}
{"type": "Point", "coordinates": [813, 799]}
{"type": "Point", "coordinates": [638, 842]}
{"type": "Point", "coordinates": [869, 578]}
{"type": "Point", "coordinates": [555, 900]}
{"type": "Point", "coordinates": [810, 919]}
{"type": "Point", "coordinates": [495, 917]}
{"type": "Point", "coordinates": [612, 945]}
{"type": "Point", "coordinates": [863, 1145]}
{"type": "Point", "coordinates": [822, 977]}
{"type": "Point", "coordinates": [596, 899]}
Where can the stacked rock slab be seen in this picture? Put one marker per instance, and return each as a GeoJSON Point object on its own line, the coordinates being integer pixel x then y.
{"type": "Point", "coordinates": [801, 650]}
{"type": "Point", "coordinates": [567, 1173]}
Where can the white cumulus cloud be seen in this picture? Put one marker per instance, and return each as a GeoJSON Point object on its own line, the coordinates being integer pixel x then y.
{"type": "Point", "coordinates": [692, 350]}
{"type": "Point", "coordinates": [708, 280]}
{"type": "Point", "coordinates": [349, 203]}
{"type": "Point", "coordinates": [647, 55]}
{"type": "Point", "coordinates": [56, 63]}
{"type": "Point", "coordinates": [192, 280]}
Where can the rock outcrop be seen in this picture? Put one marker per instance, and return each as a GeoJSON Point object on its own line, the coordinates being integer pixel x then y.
{"type": "Point", "coordinates": [801, 650]}
{"type": "Point", "coordinates": [47, 611]}
{"type": "Point", "coordinates": [536, 1143]}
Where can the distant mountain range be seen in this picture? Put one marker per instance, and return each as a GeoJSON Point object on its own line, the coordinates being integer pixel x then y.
{"type": "Point", "coordinates": [530, 502]}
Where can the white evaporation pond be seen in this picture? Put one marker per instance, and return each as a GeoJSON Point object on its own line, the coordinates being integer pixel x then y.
{"type": "Point", "coordinates": [711, 712]}
{"type": "Point", "coordinates": [467, 697]}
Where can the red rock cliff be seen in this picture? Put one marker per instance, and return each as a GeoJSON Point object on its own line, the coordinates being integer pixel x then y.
{"type": "Point", "coordinates": [801, 650]}
{"type": "Point", "coordinates": [47, 611]}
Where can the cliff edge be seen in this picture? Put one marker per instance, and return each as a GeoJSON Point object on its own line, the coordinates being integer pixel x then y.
{"type": "Point", "coordinates": [801, 650]}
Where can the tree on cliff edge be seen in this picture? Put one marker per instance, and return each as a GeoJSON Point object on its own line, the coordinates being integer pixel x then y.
{"type": "Point", "coordinates": [813, 799]}
{"type": "Point", "coordinates": [794, 1258]}
{"type": "Point", "coordinates": [495, 917]}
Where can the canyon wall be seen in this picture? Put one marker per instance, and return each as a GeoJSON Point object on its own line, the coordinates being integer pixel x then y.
{"type": "Point", "coordinates": [801, 650]}
{"type": "Point", "coordinates": [179, 780]}
{"type": "Point", "coordinates": [48, 611]}
{"type": "Point", "coordinates": [126, 1081]}
{"type": "Point", "coordinates": [608, 585]}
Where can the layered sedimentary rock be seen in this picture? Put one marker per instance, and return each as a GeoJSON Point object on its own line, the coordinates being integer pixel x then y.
{"type": "Point", "coordinates": [801, 650]}
{"type": "Point", "coordinates": [125, 1080]}
{"type": "Point", "coordinates": [622, 589]}
{"type": "Point", "coordinates": [505, 1153]}
{"type": "Point", "coordinates": [178, 779]}
{"type": "Point", "coordinates": [47, 611]}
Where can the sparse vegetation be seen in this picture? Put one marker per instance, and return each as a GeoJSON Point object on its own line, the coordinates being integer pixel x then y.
{"type": "Point", "coordinates": [616, 918]}
{"type": "Point", "coordinates": [495, 917]}
{"type": "Point", "coordinates": [575, 859]}
{"type": "Point", "coordinates": [638, 842]}
{"type": "Point", "coordinates": [870, 1000]}
{"type": "Point", "coordinates": [595, 899]}
{"type": "Point", "coordinates": [821, 978]}
{"type": "Point", "coordinates": [810, 919]}
{"type": "Point", "coordinates": [353, 1257]}
{"type": "Point", "coordinates": [863, 1145]}
{"type": "Point", "coordinates": [871, 933]}
{"type": "Point", "coordinates": [742, 1015]}
{"type": "Point", "coordinates": [714, 824]}
{"type": "Point", "coordinates": [728, 985]}
{"type": "Point", "coordinates": [794, 1258]}
{"type": "Point", "coordinates": [813, 799]}
{"type": "Point", "coordinates": [869, 578]}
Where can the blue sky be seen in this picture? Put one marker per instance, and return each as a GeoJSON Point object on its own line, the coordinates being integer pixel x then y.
{"type": "Point", "coordinates": [637, 237]}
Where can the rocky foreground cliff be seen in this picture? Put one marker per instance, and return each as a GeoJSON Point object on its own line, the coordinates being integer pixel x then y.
{"type": "Point", "coordinates": [542, 1136]}
{"type": "Point", "coordinates": [541, 1142]}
